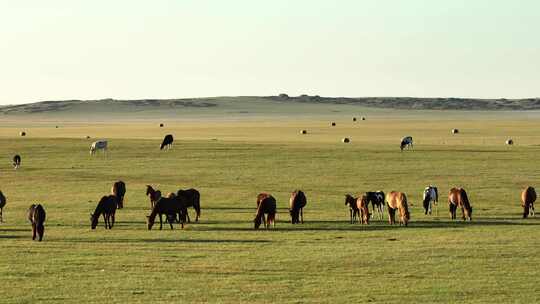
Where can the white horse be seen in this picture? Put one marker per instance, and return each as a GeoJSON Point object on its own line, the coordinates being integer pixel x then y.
{"type": "Point", "coordinates": [431, 197]}
{"type": "Point", "coordinates": [98, 145]}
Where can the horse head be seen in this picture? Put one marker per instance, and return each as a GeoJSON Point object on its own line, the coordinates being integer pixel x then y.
{"type": "Point", "coordinates": [257, 222]}
{"type": "Point", "coordinates": [93, 220]}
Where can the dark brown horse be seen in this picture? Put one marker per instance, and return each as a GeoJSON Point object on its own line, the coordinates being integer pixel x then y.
{"type": "Point", "coordinates": [297, 202]}
{"type": "Point", "coordinates": [154, 195]}
{"type": "Point", "coordinates": [2, 204]}
{"type": "Point", "coordinates": [119, 190]}
{"type": "Point", "coordinates": [398, 201]}
{"type": "Point", "coordinates": [192, 198]}
{"type": "Point", "coordinates": [353, 208]}
{"type": "Point", "coordinates": [266, 204]}
{"type": "Point", "coordinates": [170, 206]}
{"type": "Point", "coordinates": [457, 198]}
{"type": "Point", "coordinates": [107, 207]}
{"type": "Point", "coordinates": [528, 197]}
{"type": "Point", "coordinates": [36, 216]}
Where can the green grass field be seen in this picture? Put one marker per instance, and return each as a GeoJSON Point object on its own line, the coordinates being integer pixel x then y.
{"type": "Point", "coordinates": [493, 259]}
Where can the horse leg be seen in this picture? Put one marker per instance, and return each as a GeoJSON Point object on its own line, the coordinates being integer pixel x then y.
{"type": "Point", "coordinates": [41, 231]}
{"type": "Point", "coordinates": [302, 214]}
{"type": "Point", "coordinates": [160, 222]}
{"type": "Point", "coordinates": [1, 218]}
{"type": "Point", "coordinates": [105, 220]}
{"type": "Point", "coordinates": [113, 218]}
{"type": "Point", "coordinates": [350, 214]}
{"type": "Point", "coordinates": [34, 231]}
{"type": "Point", "coordinates": [532, 209]}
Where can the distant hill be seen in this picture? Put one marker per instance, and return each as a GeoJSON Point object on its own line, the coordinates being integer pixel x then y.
{"type": "Point", "coordinates": [266, 104]}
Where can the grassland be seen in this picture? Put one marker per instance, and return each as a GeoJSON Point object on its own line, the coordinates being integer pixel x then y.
{"type": "Point", "coordinates": [493, 259]}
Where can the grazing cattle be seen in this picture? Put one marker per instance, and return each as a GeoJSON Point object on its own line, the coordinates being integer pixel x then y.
{"type": "Point", "coordinates": [431, 197]}
{"type": "Point", "coordinates": [167, 142]}
{"type": "Point", "coordinates": [154, 195]}
{"type": "Point", "coordinates": [16, 161]}
{"type": "Point", "coordinates": [346, 140]}
{"type": "Point", "coordinates": [23, 133]}
{"type": "Point", "coordinates": [170, 206]}
{"type": "Point", "coordinates": [98, 145]}
{"type": "Point", "coordinates": [510, 142]}
{"type": "Point", "coordinates": [362, 204]}
{"type": "Point", "coordinates": [455, 131]}
{"type": "Point", "coordinates": [376, 199]}
{"type": "Point", "coordinates": [191, 198]}
{"type": "Point", "coordinates": [398, 200]}
{"type": "Point", "coordinates": [266, 204]}
{"type": "Point", "coordinates": [36, 216]}
{"type": "Point", "coordinates": [2, 205]}
{"type": "Point", "coordinates": [528, 197]}
{"type": "Point", "coordinates": [406, 141]}
{"type": "Point", "coordinates": [353, 208]}
{"type": "Point", "coordinates": [303, 131]}
{"type": "Point", "coordinates": [457, 198]}
{"type": "Point", "coordinates": [107, 207]}
{"type": "Point", "coordinates": [297, 202]}
{"type": "Point", "coordinates": [119, 190]}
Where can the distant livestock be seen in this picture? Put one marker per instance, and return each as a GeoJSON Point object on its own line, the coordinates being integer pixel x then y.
{"type": "Point", "coordinates": [353, 208]}
{"type": "Point", "coordinates": [376, 199]}
{"type": "Point", "coordinates": [346, 140]}
{"type": "Point", "coordinates": [510, 142]}
{"type": "Point", "coordinates": [36, 216]}
{"type": "Point", "coordinates": [2, 205]}
{"type": "Point", "coordinates": [398, 201]}
{"type": "Point", "coordinates": [191, 198]}
{"type": "Point", "coordinates": [119, 190]}
{"type": "Point", "coordinates": [406, 142]}
{"type": "Point", "coordinates": [528, 197]}
{"type": "Point", "coordinates": [303, 132]}
{"type": "Point", "coordinates": [430, 198]}
{"type": "Point", "coordinates": [161, 125]}
{"type": "Point", "coordinates": [266, 205]}
{"type": "Point", "coordinates": [167, 142]}
{"type": "Point", "coordinates": [98, 145]}
{"type": "Point", "coordinates": [457, 198]}
{"type": "Point", "coordinates": [354, 119]}
{"type": "Point", "coordinates": [297, 202]}
{"type": "Point", "coordinates": [169, 206]}
{"type": "Point", "coordinates": [455, 131]}
{"type": "Point", "coordinates": [107, 208]}
{"type": "Point", "coordinates": [22, 133]}
{"type": "Point", "coordinates": [16, 161]}
{"type": "Point", "coordinates": [363, 118]}
{"type": "Point", "coordinates": [333, 124]}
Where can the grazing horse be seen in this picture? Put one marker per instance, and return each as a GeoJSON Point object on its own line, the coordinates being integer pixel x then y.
{"type": "Point", "coordinates": [192, 198]}
{"type": "Point", "coordinates": [266, 204]}
{"type": "Point", "coordinates": [431, 197]}
{"type": "Point", "coordinates": [398, 200]}
{"type": "Point", "coordinates": [154, 195]}
{"type": "Point", "coordinates": [406, 141]}
{"type": "Point", "coordinates": [362, 203]}
{"type": "Point", "coordinates": [167, 142]}
{"type": "Point", "coordinates": [2, 204]}
{"type": "Point", "coordinates": [170, 206]}
{"type": "Point", "coordinates": [119, 190]}
{"type": "Point", "coordinates": [377, 200]}
{"type": "Point", "coordinates": [297, 202]}
{"type": "Point", "coordinates": [457, 198]}
{"type": "Point", "coordinates": [107, 207]}
{"type": "Point", "coordinates": [98, 145]}
{"type": "Point", "coordinates": [16, 161]}
{"type": "Point", "coordinates": [528, 197]}
{"type": "Point", "coordinates": [36, 216]}
{"type": "Point", "coordinates": [353, 208]}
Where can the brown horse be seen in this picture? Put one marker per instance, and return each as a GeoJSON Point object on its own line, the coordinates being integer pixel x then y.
{"type": "Point", "coordinates": [398, 200]}
{"type": "Point", "coordinates": [154, 195]}
{"type": "Point", "coordinates": [170, 206]}
{"type": "Point", "coordinates": [119, 190]}
{"type": "Point", "coordinates": [266, 204]}
{"type": "Point", "coordinates": [353, 207]}
{"type": "Point", "coordinates": [528, 197]}
{"type": "Point", "coordinates": [107, 207]}
{"type": "Point", "coordinates": [457, 198]}
{"type": "Point", "coordinates": [297, 202]}
{"type": "Point", "coordinates": [362, 203]}
{"type": "Point", "coordinates": [36, 216]}
{"type": "Point", "coordinates": [2, 204]}
{"type": "Point", "coordinates": [192, 198]}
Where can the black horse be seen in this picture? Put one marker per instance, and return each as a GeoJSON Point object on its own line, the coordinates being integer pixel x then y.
{"type": "Point", "coordinates": [192, 198]}
{"type": "Point", "coordinates": [107, 207]}
{"type": "Point", "coordinates": [36, 216]}
{"type": "Point", "coordinates": [167, 142]}
{"type": "Point", "coordinates": [16, 161]}
{"type": "Point", "coordinates": [119, 190]}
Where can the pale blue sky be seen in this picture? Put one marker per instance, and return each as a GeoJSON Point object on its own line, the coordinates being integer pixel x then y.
{"type": "Point", "coordinates": [93, 49]}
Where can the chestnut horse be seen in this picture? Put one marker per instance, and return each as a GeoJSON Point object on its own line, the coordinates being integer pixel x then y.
{"type": "Point", "coordinates": [36, 216]}
{"type": "Point", "coordinates": [362, 203]}
{"type": "Point", "coordinates": [457, 198]}
{"type": "Point", "coordinates": [154, 195]}
{"type": "Point", "coordinates": [528, 197]}
{"type": "Point", "coordinates": [119, 190]}
{"type": "Point", "coordinates": [107, 207]}
{"type": "Point", "coordinates": [266, 204]}
{"type": "Point", "coordinates": [398, 200]}
{"type": "Point", "coordinates": [297, 202]}
{"type": "Point", "coordinates": [353, 208]}
{"type": "Point", "coordinates": [2, 204]}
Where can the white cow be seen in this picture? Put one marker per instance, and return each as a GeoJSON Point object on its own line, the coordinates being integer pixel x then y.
{"type": "Point", "coordinates": [98, 145]}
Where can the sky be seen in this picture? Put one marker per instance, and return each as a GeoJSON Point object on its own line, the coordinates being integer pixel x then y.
{"type": "Point", "coordinates": [133, 49]}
